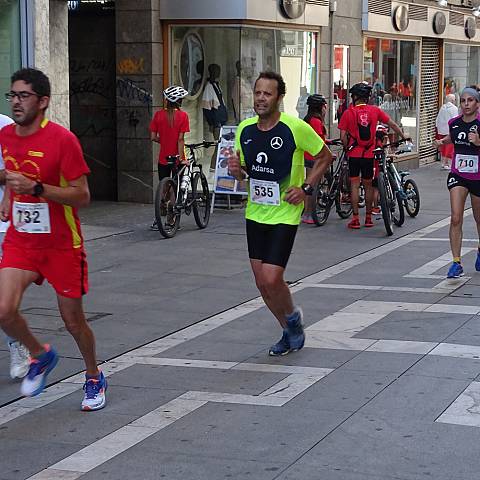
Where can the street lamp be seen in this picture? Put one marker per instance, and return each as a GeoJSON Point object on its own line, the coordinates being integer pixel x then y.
{"type": "Point", "coordinates": [442, 3]}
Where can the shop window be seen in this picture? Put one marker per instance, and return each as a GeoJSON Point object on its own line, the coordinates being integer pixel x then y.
{"type": "Point", "coordinates": [390, 66]}
{"type": "Point", "coordinates": [10, 54]}
{"type": "Point", "coordinates": [240, 54]}
{"type": "Point", "coordinates": [340, 81]}
{"type": "Point", "coordinates": [462, 68]}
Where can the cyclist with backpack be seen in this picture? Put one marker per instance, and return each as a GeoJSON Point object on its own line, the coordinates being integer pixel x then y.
{"type": "Point", "coordinates": [358, 127]}
{"type": "Point", "coordinates": [168, 128]}
{"type": "Point", "coordinates": [317, 108]}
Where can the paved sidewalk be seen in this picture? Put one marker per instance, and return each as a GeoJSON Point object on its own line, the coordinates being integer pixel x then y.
{"type": "Point", "coordinates": [385, 388]}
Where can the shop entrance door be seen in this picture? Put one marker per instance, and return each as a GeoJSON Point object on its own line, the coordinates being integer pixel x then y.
{"type": "Point", "coordinates": [91, 38]}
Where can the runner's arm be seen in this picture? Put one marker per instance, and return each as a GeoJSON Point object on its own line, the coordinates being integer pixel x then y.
{"type": "Point", "coordinates": [396, 129]}
{"type": "Point", "coordinates": [344, 138]}
{"type": "Point", "coordinates": [181, 147]}
{"type": "Point", "coordinates": [154, 137]}
{"type": "Point", "coordinates": [234, 167]}
{"type": "Point", "coordinates": [321, 162]}
{"type": "Point", "coordinates": [76, 194]}
{"type": "Point", "coordinates": [444, 141]}
{"type": "Point", "coordinates": [2, 177]}
{"type": "Point", "coordinates": [5, 205]}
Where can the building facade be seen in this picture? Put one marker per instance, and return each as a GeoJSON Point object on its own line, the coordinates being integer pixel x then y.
{"type": "Point", "coordinates": [34, 33]}
{"type": "Point", "coordinates": [109, 61]}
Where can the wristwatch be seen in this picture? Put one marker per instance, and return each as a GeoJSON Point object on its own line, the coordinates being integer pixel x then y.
{"type": "Point", "coordinates": [307, 189]}
{"type": "Point", "coordinates": [38, 189]}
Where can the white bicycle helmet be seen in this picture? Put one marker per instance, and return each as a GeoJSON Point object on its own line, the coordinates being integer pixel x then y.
{"type": "Point", "coordinates": [174, 93]}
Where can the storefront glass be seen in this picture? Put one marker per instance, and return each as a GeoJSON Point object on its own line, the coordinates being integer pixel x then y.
{"type": "Point", "coordinates": [241, 54]}
{"type": "Point", "coordinates": [462, 68]}
{"type": "Point", "coordinates": [340, 81]}
{"type": "Point", "coordinates": [391, 67]}
{"type": "Point", "coordinates": [10, 54]}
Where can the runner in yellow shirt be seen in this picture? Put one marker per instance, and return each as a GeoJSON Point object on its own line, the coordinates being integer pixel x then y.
{"type": "Point", "coordinates": [270, 152]}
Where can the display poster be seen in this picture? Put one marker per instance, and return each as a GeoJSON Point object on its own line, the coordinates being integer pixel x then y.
{"type": "Point", "coordinates": [224, 182]}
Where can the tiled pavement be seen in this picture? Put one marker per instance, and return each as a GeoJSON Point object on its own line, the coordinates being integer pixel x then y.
{"type": "Point", "coordinates": [387, 386]}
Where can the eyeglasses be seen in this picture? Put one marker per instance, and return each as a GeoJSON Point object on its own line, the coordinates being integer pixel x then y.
{"type": "Point", "coordinates": [10, 96]}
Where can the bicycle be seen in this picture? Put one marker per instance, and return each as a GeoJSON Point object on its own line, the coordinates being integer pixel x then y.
{"type": "Point", "coordinates": [395, 192]}
{"type": "Point", "coordinates": [334, 187]}
{"type": "Point", "coordinates": [185, 190]}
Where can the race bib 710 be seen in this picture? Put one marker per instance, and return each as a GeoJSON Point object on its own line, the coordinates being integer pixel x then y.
{"type": "Point", "coordinates": [466, 163]}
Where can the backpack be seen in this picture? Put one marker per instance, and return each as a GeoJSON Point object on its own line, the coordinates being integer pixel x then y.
{"type": "Point", "coordinates": [363, 132]}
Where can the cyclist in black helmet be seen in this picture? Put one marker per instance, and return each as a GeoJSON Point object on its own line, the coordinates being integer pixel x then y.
{"type": "Point", "coordinates": [317, 108]}
{"type": "Point", "coordinates": [358, 127]}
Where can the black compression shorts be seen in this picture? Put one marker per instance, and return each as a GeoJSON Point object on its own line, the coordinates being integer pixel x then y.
{"type": "Point", "coordinates": [363, 166]}
{"type": "Point", "coordinates": [271, 244]}
{"type": "Point", "coordinates": [454, 180]}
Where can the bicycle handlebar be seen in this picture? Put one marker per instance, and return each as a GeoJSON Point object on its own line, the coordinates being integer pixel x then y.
{"type": "Point", "coordinates": [204, 144]}
{"type": "Point", "coordinates": [394, 144]}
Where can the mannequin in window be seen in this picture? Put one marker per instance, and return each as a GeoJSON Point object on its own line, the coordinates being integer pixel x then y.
{"type": "Point", "coordinates": [242, 95]}
{"type": "Point", "coordinates": [214, 109]}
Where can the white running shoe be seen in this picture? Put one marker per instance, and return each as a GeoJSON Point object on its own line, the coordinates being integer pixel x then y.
{"type": "Point", "coordinates": [19, 360]}
{"type": "Point", "coordinates": [95, 390]}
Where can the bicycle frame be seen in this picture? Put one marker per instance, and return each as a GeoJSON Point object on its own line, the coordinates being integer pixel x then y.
{"type": "Point", "coordinates": [336, 173]}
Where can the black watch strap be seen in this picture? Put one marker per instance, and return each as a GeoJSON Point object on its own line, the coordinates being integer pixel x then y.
{"type": "Point", "coordinates": [38, 189]}
{"type": "Point", "coordinates": [307, 189]}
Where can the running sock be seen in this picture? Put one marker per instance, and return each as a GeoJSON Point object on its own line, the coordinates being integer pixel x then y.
{"type": "Point", "coordinates": [43, 356]}
{"type": "Point", "coordinates": [93, 377]}
{"type": "Point", "coordinates": [293, 315]}
{"type": "Point", "coordinates": [457, 259]}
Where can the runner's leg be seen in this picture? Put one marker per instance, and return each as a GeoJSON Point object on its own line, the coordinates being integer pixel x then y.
{"type": "Point", "coordinates": [369, 195]}
{"type": "Point", "coordinates": [13, 283]}
{"type": "Point", "coordinates": [458, 196]}
{"type": "Point", "coordinates": [274, 290]}
{"type": "Point", "coordinates": [476, 211]}
{"type": "Point", "coordinates": [355, 194]}
{"type": "Point", "coordinates": [71, 310]}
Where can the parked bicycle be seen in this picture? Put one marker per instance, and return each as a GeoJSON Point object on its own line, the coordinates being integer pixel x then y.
{"type": "Point", "coordinates": [185, 191]}
{"type": "Point", "coordinates": [397, 194]}
{"type": "Point", "coordinates": [333, 188]}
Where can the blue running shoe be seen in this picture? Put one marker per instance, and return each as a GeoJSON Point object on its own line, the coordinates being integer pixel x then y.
{"type": "Point", "coordinates": [477, 261]}
{"type": "Point", "coordinates": [95, 390]}
{"type": "Point", "coordinates": [455, 270]}
{"type": "Point", "coordinates": [296, 334]}
{"type": "Point", "coordinates": [282, 347]}
{"type": "Point", "coordinates": [40, 367]}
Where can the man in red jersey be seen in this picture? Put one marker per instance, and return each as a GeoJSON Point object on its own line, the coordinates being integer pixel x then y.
{"type": "Point", "coordinates": [358, 127]}
{"type": "Point", "coordinates": [45, 184]}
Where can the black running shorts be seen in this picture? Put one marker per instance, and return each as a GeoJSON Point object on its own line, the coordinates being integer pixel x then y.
{"type": "Point", "coordinates": [361, 166]}
{"type": "Point", "coordinates": [454, 180]}
{"type": "Point", "coordinates": [271, 244]}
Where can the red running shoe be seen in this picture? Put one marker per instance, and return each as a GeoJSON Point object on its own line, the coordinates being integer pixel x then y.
{"type": "Point", "coordinates": [368, 221]}
{"type": "Point", "coordinates": [354, 223]}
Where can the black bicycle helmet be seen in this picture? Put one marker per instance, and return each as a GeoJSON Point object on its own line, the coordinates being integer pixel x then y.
{"type": "Point", "coordinates": [316, 100]}
{"type": "Point", "coordinates": [361, 90]}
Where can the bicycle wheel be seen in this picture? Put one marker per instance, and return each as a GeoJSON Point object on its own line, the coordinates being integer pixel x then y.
{"type": "Point", "coordinates": [386, 199]}
{"type": "Point", "coordinates": [322, 202]}
{"type": "Point", "coordinates": [412, 203]}
{"type": "Point", "coordinates": [166, 214]}
{"type": "Point", "coordinates": [343, 200]}
{"type": "Point", "coordinates": [399, 212]}
{"type": "Point", "coordinates": [201, 199]}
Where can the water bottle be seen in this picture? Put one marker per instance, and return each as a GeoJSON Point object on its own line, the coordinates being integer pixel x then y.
{"type": "Point", "coordinates": [185, 183]}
